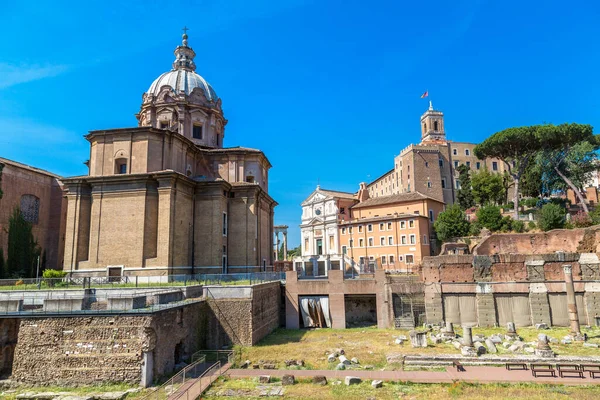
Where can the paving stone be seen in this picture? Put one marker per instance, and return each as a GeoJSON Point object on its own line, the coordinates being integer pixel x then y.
{"type": "Point", "coordinates": [264, 379]}
{"type": "Point", "coordinates": [352, 380]}
{"type": "Point", "coordinates": [377, 383]}
{"type": "Point", "coordinates": [319, 380]}
{"type": "Point", "coordinates": [288, 380]}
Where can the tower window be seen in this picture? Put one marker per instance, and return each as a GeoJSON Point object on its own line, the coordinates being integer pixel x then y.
{"type": "Point", "coordinates": [443, 183]}
{"type": "Point", "coordinates": [467, 152]}
{"type": "Point", "coordinates": [197, 132]}
{"type": "Point", "coordinates": [250, 179]}
{"type": "Point", "coordinates": [424, 127]}
{"type": "Point", "coordinates": [164, 124]}
{"type": "Point", "coordinates": [121, 166]}
{"type": "Point", "coordinates": [441, 162]}
{"type": "Point", "coordinates": [454, 152]}
{"type": "Point", "coordinates": [435, 126]}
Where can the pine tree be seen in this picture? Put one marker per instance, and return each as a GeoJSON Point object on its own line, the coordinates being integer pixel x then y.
{"type": "Point", "coordinates": [22, 248]}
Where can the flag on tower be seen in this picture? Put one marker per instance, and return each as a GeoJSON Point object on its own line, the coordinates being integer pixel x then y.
{"type": "Point", "coordinates": [425, 94]}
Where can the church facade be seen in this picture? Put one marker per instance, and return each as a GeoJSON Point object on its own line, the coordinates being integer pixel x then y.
{"type": "Point", "coordinates": [166, 197]}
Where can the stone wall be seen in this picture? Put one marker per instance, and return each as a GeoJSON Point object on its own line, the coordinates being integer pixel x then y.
{"type": "Point", "coordinates": [243, 320]}
{"type": "Point", "coordinates": [584, 240]}
{"type": "Point", "coordinates": [530, 289]}
{"type": "Point", "coordinates": [102, 349]}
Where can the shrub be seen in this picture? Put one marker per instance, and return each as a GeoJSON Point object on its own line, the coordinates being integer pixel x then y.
{"type": "Point", "coordinates": [530, 202]}
{"type": "Point", "coordinates": [490, 217]}
{"type": "Point", "coordinates": [506, 224]}
{"type": "Point", "coordinates": [531, 225]}
{"type": "Point", "coordinates": [508, 206]}
{"type": "Point", "coordinates": [595, 215]}
{"type": "Point", "coordinates": [53, 274]}
{"type": "Point", "coordinates": [475, 229]}
{"type": "Point", "coordinates": [551, 216]}
{"type": "Point", "coordinates": [451, 223]}
{"type": "Point", "coordinates": [581, 220]}
{"type": "Point", "coordinates": [518, 226]}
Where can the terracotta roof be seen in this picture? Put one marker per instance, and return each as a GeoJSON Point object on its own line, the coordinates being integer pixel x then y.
{"type": "Point", "coordinates": [394, 198]}
{"type": "Point", "coordinates": [335, 193]}
{"type": "Point", "coordinates": [28, 167]}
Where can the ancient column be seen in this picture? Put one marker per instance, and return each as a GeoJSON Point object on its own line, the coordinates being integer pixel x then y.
{"type": "Point", "coordinates": [571, 302]}
{"type": "Point", "coordinates": [276, 246]}
{"type": "Point", "coordinates": [467, 339]}
{"type": "Point", "coordinates": [285, 249]}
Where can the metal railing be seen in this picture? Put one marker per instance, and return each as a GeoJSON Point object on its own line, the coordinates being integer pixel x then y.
{"type": "Point", "coordinates": [108, 282]}
{"type": "Point", "coordinates": [171, 386]}
{"type": "Point", "coordinates": [200, 384]}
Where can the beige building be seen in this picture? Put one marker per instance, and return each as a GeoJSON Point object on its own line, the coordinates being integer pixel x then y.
{"type": "Point", "coordinates": [39, 196]}
{"type": "Point", "coordinates": [391, 232]}
{"type": "Point", "coordinates": [430, 167]}
{"type": "Point", "coordinates": [166, 197]}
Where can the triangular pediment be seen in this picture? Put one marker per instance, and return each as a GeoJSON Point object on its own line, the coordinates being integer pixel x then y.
{"type": "Point", "coordinates": [315, 197]}
{"type": "Point", "coordinates": [314, 221]}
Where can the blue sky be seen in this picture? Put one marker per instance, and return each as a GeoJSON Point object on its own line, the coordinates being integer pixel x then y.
{"type": "Point", "coordinates": [329, 90]}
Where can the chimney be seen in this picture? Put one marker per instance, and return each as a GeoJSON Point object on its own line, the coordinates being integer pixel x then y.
{"type": "Point", "coordinates": [363, 192]}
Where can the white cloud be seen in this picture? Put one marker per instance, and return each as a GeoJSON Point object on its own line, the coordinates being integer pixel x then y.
{"type": "Point", "coordinates": [11, 75]}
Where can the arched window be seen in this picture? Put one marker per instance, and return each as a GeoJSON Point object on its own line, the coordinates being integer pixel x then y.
{"type": "Point", "coordinates": [435, 126]}
{"type": "Point", "coordinates": [30, 208]}
{"type": "Point", "coordinates": [424, 126]}
{"type": "Point", "coordinates": [121, 166]}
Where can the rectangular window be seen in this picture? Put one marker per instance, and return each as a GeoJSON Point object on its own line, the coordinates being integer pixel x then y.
{"type": "Point", "coordinates": [424, 239]}
{"type": "Point", "coordinates": [400, 258]}
{"type": "Point", "coordinates": [224, 224]}
{"type": "Point", "coordinates": [392, 260]}
{"type": "Point", "coordinates": [383, 260]}
{"type": "Point", "coordinates": [343, 231]}
{"type": "Point", "coordinates": [402, 224]}
{"type": "Point", "coordinates": [410, 259]}
{"type": "Point", "coordinates": [428, 184]}
{"type": "Point", "coordinates": [306, 245]}
{"type": "Point", "coordinates": [197, 132]}
{"type": "Point", "coordinates": [443, 183]}
{"type": "Point", "coordinates": [441, 162]}
{"type": "Point", "coordinates": [360, 229]}
{"type": "Point", "coordinates": [413, 239]}
{"type": "Point", "coordinates": [390, 241]}
{"type": "Point", "coordinates": [344, 250]}
{"type": "Point", "coordinates": [468, 164]}
{"type": "Point", "coordinates": [370, 242]}
{"type": "Point", "coordinates": [361, 243]}
{"type": "Point", "coordinates": [382, 241]}
{"type": "Point", "coordinates": [467, 152]}
{"type": "Point", "coordinates": [331, 242]}
{"type": "Point", "coordinates": [454, 151]}
{"type": "Point", "coordinates": [342, 210]}
{"type": "Point", "coordinates": [411, 223]}
{"type": "Point", "coordinates": [457, 184]}
{"type": "Point", "coordinates": [122, 168]}
{"type": "Point", "coordinates": [426, 164]}
{"type": "Point", "coordinates": [350, 229]}
{"type": "Point", "coordinates": [478, 165]}
{"type": "Point", "coordinates": [431, 215]}
{"type": "Point", "coordinates": [403, 239]}
{"type": "Point", "coordinates": [455, 164]}
{"type": "Point", "coordinates": [164, 124]}
{"type": "Point", "coordinates": [381, 227]}
{"type": "Point", "coordinates": [370, 228]}
{"type": "Point", "coordinates": [389, 226]}
{"type": "Point", "coordinates": [351, 242]}
{"type": "Point", "coordinates": [494, 166]}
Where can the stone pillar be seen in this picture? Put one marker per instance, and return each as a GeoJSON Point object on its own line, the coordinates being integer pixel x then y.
{"type": "Point", "coordinates": [433, 303]}
{"type": "Point", "coordinates": [539, 303]}
{"type": "Point", "coordinates": [571, 302]}
{"type": "Point", "coordinates": [147, 369]}
{"type": "Point", "coordinates": [467, 339]}
{"type": "Point", "coordinates": [511, 331]}
{"type": "Point", "coordinates": [543, 348]}
{"type": "Point", "coordinates": [285, 249]}
{"type": "Point", "coordinates": [276, 246]}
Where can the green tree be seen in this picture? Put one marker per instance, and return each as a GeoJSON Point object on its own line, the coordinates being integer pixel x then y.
{"type": "Point", "coordinates": [464, 194]}
{"type": "Point", "coordinates": [490, 217]}
{"type": "Point", "coordinates": [568, 154]}
{"type": "Point", "coordinates": [551, 216]}
{"type": "Point", "coordinates": [22, 248]}
{"type": "Point", "coordinates": [531, 181]}
{"type": "Point", "coordinates": [451, 223]}
{"type": "Point", "coordinates": [295, 252]}
{"type": "Point", "coordinates": [488, 188]}
{"type": "Point", "coordinates": [516, 147]}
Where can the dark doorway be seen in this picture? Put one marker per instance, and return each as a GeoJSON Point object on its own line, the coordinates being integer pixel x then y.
{"type": "Point", "coordinates": [361, 310]}
{"type": "Point", "coordinates": [178, 353]}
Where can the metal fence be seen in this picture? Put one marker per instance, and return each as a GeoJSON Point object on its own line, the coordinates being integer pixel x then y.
{"type": "Point", "coordinates": [171, 386]}
{"type": "Point", "coordinates": [199, 385]}
{"type": "Point", "coordinates": [249, 278]}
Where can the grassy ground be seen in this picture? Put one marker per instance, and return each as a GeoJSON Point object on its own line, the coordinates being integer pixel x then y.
{"type": "Point", "coordinates": [75, 391]}
{"type": "Point", "coordinates": [398, 390]}
{"type": "Point", "coordinates": [371, 345]}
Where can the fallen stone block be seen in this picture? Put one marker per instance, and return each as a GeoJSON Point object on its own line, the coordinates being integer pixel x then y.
{"type": "Point", "coordinates": [541, 326]}
{"type": "Point", "coordinates": [529, 350]}
{"type": "Point", "coordinates": [377, 383]}
{"type": "Point", "coordinates": [340, 367]}
{"type": "Point", "coordinates": [245, 364]}
{"type": "Point", "coordinates": [354, 360]}
{"type": "Point", "coordinates": [457, 345]}
{"type": "Point", "coordinates": [352, 380]}
{"type": "Point", "coordinates": [491, 347]}
{"type": "Point", "coordinates": [331, 358]}
{"type": "Point", "coordinates": [398, 341]}
{"type": "Point", "coordinates": [268, 366]}
{"type": "Point", "coordinates": [264, 379]}
{"type": "Point", "coordinates": [468, 351]}
{"type": "Point", "coordinates": [319, 380]}
{"type": "Point", "coordinates": [344, 360]}
{"type": "Point", "coordinates": [594, 345]}
{"type": "Point", "coordinates": [288, 380]}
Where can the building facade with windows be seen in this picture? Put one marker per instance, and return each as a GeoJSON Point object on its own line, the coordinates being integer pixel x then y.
{"type": "Point", "coordinates": [166, 197]}
{"type": "Point", "coordinates": [430, 167]}
{"type": "Point", "coordinates": [38, 194]}
{"type": "Point", "coordinates": [390, 232]}
{"type": "Point", "coordinates": [322, 211]}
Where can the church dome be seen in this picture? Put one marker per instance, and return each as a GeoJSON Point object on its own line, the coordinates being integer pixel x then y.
{"type": "Point", "coordinates": [183, 78]}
